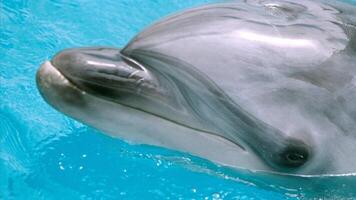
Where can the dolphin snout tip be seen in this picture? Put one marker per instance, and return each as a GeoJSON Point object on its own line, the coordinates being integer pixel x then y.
{"type": "Point", "coordinates": [47, 74]}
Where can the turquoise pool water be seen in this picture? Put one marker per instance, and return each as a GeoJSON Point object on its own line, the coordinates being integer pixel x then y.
{"type": "Point", "coordinates": [46, 155]}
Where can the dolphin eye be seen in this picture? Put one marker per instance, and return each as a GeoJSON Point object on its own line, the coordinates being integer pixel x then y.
{"type": "Point", "coordinates": [294, 157]}
{"type": "Point", "coordinates": [295, 154]}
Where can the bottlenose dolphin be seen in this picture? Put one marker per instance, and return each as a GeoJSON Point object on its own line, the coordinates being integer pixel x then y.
{"type": "Point", "coordinates": [262, 85]}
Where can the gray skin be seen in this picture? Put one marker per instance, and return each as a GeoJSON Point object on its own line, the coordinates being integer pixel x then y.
{"type": "Point", "coordinates": [261, 85]}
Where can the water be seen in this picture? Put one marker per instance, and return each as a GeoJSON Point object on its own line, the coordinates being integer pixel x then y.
{"type": "Point", "coordinates": [46, 155]}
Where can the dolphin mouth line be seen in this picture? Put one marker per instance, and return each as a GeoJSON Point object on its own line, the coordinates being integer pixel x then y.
{"type": "Point", "coordinates": [60, 75]}
{"type": "Point", "coordinates": [56, 72]}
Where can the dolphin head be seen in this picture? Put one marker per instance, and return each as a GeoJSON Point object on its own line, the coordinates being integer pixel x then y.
{"type": "Point", "coordinates": [113, 93]}
{"type": "Point", "coordinates": [105, 89]}
{"type": "Point", "coordinates": [263, 87]}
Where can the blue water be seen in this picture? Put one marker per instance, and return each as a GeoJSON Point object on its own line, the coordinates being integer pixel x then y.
{"type": "Point", "coordinates": [46, 155]}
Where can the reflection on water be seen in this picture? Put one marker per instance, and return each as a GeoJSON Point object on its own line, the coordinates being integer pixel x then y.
{"type": "Point", "coordinates": [45, 155]}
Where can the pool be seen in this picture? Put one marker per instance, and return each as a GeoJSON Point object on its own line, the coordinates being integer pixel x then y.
{"type": "Point", "coordinates": [46, 155]}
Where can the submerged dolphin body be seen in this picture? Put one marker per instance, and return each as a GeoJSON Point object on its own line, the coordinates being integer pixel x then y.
{"type": "Point", "coordinates": [262, 85]}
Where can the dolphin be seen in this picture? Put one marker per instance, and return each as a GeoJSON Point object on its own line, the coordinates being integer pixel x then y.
{"type": "Point", "coordinates": [259, 85]}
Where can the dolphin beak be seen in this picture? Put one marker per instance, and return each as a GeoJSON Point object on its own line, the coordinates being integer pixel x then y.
{"type": "Point", "coordinates": [102, 71]}
{"type": "Point", "coordinates": [56, 89]}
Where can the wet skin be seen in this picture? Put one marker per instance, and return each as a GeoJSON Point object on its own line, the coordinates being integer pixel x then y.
{"type": "Point", "coordinates": [259, 85]}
